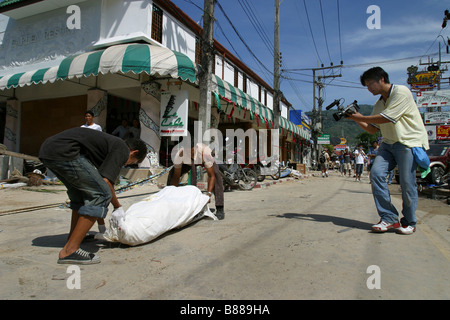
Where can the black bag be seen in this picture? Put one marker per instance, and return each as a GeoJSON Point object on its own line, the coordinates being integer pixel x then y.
{"type": "Point", "coordinates": [322, 158]}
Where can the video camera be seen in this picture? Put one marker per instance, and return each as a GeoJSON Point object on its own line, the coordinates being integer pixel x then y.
{"type": "Point", "coordinates": [343, 112]}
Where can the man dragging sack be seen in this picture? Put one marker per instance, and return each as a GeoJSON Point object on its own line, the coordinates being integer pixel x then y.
{"type": "Point", "coordinates": [88, 162]}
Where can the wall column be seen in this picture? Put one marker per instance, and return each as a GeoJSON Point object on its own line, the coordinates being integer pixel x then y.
{"type": "Point", "coordinates": [12, 125]}
{"type": "Point", "coordinates": [97, 102]}
{"type": "Point", "coordinates": [149, 117]}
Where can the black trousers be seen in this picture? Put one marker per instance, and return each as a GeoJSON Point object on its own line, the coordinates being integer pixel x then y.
{"type": "Point", "coordinates": [218, 185]}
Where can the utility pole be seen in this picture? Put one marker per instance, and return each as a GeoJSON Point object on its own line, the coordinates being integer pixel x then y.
{"type": "Point", "coordinates": [276, 73]}
{"type": "Point", "coordinates": [317, 114]}
{"type": "Point", "coordinates": [207, 45]}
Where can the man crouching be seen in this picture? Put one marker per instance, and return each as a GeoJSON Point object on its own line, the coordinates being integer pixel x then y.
{"type": "Point", "coordinates": [88, 162]}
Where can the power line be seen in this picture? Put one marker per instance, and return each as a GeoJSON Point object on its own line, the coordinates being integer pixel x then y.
{"type": "Point", "coordinates": [310, 29]}
{"type": "Point", "coordinates": [324, 31]}
{"type": "Point", "coordinates": [255, 22]}
{"type": "Point", "coordinates": [339, 27]}
{"type": "Point", "coordinates": [242, 39]}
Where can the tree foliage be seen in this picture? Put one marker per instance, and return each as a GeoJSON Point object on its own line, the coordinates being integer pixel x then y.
{"type": "Point", "coordinates": [346, 129]}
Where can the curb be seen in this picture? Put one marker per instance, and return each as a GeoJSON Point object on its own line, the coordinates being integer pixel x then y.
{"type": "Point", "coordinates": [203, 185]}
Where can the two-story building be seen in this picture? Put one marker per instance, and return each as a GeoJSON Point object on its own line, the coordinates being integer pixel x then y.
{"type": "Point", "coordinates": [119, 59]}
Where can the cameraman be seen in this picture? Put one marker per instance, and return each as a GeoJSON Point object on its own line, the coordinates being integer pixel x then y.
{"type": "Point", "coordinates": [396, 115]}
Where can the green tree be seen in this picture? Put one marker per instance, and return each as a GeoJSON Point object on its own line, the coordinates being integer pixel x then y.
{"type": "Point", "coordinates": [366, 139]}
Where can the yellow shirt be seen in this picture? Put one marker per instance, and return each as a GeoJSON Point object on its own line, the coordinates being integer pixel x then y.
{"type": "Point", "coordinates": [405, 122]}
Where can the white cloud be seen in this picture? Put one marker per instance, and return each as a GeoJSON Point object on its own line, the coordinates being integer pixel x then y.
{"type": "Point", "coordinates": [405, 32]}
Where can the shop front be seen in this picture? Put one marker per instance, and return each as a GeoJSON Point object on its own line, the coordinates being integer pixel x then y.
{"type": "Point", "coordinates": [116, 83]}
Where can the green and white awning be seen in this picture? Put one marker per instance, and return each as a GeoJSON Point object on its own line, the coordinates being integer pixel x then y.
{"type": "Point", "coordinates": [222, 89]}
{"type": "Point", "coordinates": [125, 58]}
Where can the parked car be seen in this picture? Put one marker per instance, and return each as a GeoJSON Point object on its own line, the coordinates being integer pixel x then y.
{"type": "Point", "coordinates": [439, 154]}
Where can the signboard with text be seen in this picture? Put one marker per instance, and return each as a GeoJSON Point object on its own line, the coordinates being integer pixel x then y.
{"type": "Point", "coordinates": [437, 117]}
{"type": "Point", "coordinates": [174, 114]}
{"type": "Point", "coordinates": [436, 98]}
{"type": "Point", "coordinates": [323, 139]}
{"type": "Point", "coordinates": [443, 132]}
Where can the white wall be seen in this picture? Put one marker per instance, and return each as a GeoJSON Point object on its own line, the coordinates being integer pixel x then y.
{"type": "Point", "coordinates": [121, 20]}
{"type": "Point", "coordinates": [177, 37]}
{"type": "Point", "coordinates": [42, 40]}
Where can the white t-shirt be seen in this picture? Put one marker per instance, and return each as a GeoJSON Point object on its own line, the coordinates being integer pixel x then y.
{"type": "Point", "coordinates": [359, 157]}
{"type": "Point", "coordinates": [92, 126]}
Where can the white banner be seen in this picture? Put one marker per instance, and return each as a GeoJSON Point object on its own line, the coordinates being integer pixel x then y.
{"type": "Point", "coordinates": [174, 114]}
{"type": "Point", "coordinates": [437, 117]}
{"type": "Point", "coordinates": [437, 98]}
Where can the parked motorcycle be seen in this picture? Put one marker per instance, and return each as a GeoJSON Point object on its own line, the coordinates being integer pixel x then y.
{"type": "Point", "coordinates": [262, 169]}
{"type": "Point", "coordinates": [234, 175]}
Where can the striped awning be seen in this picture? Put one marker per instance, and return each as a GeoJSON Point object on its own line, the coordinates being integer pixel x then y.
{"type": "Point", "coordinates": [223, 89]}
{"type": "Point", "coordinates": [135, 58]}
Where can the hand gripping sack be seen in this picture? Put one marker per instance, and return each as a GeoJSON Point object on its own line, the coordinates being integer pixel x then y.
{"type": "Point", "coordinates": [172, 207]}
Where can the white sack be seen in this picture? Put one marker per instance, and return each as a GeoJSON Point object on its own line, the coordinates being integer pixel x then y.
{"type": "Point", "coordinates": [172, 207]}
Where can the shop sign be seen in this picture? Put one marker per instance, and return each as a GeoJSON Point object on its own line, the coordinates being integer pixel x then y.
{"type": "Point", "coordinates": [436, 98]}
{"type": "Point", "coordinates": [437, 117]}
{"type": "Point", "coordinates": [424, 78]}
{"type": "Point", "coordinates": [323, 139]}
{"type": "Point", "coordinates": [443, 132]}
{"type": "Point", "coordinates": [174, 114]}
{"type": "Point", "coordinates": [341, 147]}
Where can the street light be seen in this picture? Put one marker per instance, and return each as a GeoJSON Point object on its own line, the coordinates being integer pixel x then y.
{"type": "Point", "coordinates": [446, 18]}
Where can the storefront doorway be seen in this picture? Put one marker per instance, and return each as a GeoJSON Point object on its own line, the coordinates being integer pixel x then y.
{"type": "Point", "coordinates": [120, 109]}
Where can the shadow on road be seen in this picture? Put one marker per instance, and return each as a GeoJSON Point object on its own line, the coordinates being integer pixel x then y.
{"type": "Point", "coordinates": [343, 222]}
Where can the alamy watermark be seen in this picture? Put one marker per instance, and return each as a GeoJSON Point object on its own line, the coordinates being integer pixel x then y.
{"type": "Point", "coordinates": [74, 20]}
{"type": "Point", "coordinates": [238, 146]}
{"type": "Point", "coordinates": [374, 21]}
{"type": "Point", "coordinates": [374, 280]}
{"type": "Point", "coordinates": [74, 280]}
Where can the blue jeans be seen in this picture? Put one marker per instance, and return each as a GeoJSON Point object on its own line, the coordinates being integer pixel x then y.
{"type": "Point", "coordinates": [387, 158]}
{"type": "Point", "coordinates": [89, 194]}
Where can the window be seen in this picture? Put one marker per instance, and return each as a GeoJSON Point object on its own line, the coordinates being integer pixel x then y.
{"type": "Point", "coordinates": [198, 51]}
{"type": "Point", "coordinates": [244, 85]}
{"type": "Point", "coordinates": [157, 24]}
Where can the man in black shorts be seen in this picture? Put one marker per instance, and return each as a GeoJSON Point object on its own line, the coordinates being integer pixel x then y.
{"type": "Point", "coordinates": [88, 162]}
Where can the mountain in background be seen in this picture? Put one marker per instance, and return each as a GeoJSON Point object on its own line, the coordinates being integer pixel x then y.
{"type": "Point", "coordinates": [344, 128]}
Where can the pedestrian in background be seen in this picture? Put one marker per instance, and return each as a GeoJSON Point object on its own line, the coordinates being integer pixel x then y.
{"type": "Point", "coordinates": [360, 157]}
{"type": "Point", "coordinates": [89, 118]}
{"type": "Point", "coordinates": [324, 159]}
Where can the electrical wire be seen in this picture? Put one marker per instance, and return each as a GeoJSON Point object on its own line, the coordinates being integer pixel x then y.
{"type": "Point", "coordinates": [339, 28]}
{"type": "Point", "coordinates": [256, 25]}
{"type": "Point", "coordinates": [242, 39]}
{"type": "Point", "coordinates": [324, 31]}
{"type": "Point", "coordinates": [312, 34]}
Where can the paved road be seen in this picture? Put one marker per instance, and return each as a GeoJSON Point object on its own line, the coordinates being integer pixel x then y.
{"type": "Point", "coordinates": [301, 239]}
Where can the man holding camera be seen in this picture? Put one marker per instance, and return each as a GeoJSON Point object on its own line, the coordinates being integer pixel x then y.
{"type": "Point", "coordinates": [397, 117]}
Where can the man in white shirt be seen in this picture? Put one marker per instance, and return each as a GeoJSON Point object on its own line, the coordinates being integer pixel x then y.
{"type": "Point", "coordinates": [397, 117]}
{"type": "Point", "coordinates": [359, 162]}
{"type": "Point", "coordinates": [89, 117]}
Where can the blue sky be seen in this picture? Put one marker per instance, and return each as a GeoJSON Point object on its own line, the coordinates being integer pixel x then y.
{"type": "Point", "coordinates": [408, 31]}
